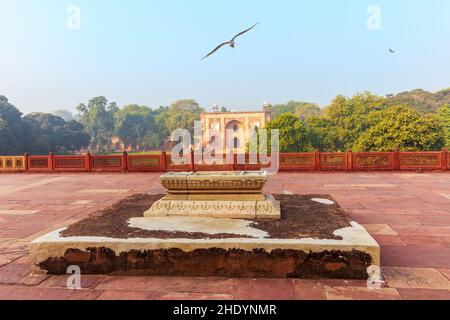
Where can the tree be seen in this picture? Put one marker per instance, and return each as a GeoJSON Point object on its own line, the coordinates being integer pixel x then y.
{"type": "Point", "coordinates": [292, 133]}
{"type": "Point", "coordinates": [35, 142]}
{"type": "Point", "coordinates": [98, 119]}
{"type": "Point", "coordinates": [443, 116]}
{"type": "Point", "coordinates": [130, 124]}
{"type": "Point", "coordinates": [349, 117]}
{"type": "Point", "coordinates": [151, 140]}
{"type": "Point", "coordinates": [52, 133]}
{"type": "Point", "coordinates": [300, 109]}
{"type": "Point", "coordinates": [321, 133]}
{"type": "Point", "coordinates": [74, 137]}
{"type": "Point", "coordinates": [11, 129]}
{"type": "Point", "coordinates": [403, 128]}
{"type": "Point", "coordinates": [136, 126]}
{"type": "Point", "coordinates": [306, 110]}
{"type": "Point", "coordinates": [65, 114]}
{"type": "Point", "coordinates": [423, 101]}
{"type": "Point", "coordinates": [182, 114]}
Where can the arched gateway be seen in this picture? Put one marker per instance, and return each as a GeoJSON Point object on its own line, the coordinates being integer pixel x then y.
{"type": "Point", "coordinates": [233, 128]}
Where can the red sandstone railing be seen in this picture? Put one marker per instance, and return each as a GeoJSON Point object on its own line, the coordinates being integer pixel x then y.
{"type": "Point", "coordinates": [306, 161]}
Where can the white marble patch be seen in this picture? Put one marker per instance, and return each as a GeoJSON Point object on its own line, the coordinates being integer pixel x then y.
{"type": "Point", "coordinates": [195, 224]}
{"type": "Point", "coordinates": [323, 201]}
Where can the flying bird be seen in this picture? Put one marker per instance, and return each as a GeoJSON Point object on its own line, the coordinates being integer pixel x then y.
{"type": "Point", "coordinates": [231, 42]}
{"type": "Point", "coordinates": [391, 51]}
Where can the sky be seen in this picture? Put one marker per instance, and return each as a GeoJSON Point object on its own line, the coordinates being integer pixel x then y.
{"type": "Point", "coordinates": [148, 51]}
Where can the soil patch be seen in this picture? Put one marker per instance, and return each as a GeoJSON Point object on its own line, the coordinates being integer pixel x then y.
{"type": "Point", "coordinates": [301, 218]}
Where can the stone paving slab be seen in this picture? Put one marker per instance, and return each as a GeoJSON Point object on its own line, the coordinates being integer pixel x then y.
{"type": "Point", "coordinates": [18, 212]}
{"type": "Point", "coordinates": [416, 208]}
{"type": "Point", "coordinates": [415, 278]}
{"type": "Point", "coordinates": [360, 293]}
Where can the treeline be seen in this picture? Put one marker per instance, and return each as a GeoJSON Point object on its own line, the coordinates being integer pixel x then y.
{"type": "Point", "coordinates": [414, 121]}
{"type": "Point", "coordinates": [411, 121]}
{"type": "Point", "coordinates": [139, 127]}
{"type": "Point", "coordinates": [97, 122]}
{"type": "Point", "coordinates": [37, 132]}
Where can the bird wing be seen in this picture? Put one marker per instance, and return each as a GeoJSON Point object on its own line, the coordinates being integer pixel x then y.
{"type": "Point", "coordinates": [217, 48]}
{"type": "Point", "coordinates": [245, 31]}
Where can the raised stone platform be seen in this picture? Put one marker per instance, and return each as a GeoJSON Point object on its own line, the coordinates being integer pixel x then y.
{"type": "Point", "coordinates": [314, 239]}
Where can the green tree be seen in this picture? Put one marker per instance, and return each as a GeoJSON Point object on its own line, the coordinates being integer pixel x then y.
{"type": "Point", "coordinates": [321, 133]}
{"type": "Point", "coordinates": [349, 117]}
{"type": "Point", "coordinates": [11, 129]}
{"type": "Point", "coordinates": [162, 114]}
{"type": "Point", "coordinates": [65, 114]}
{"type": "Point", "coordinates": [423, 101]}
{"type": "Point", "coordinates": [52, 133]}
{"type": "Point", "coordinates": [292, 133]}
{"type": "Point", "coordinates": [137, 126]}
{"type": "Point", "coordinates": [98, 119]}
{"type": "Point", "coordinates": [401, 127]}
{"type": "Point", "coordinates": [306, 110]}
{"type": "Point", "coordinates": [443, 116]}
{"type": "Point", "coordinates": [300, 109]}
{"type": "Point", "coordinates": [74, 137]}
{"type": "Point", "coordinates": [151, 140]}
{"type": "Point", "coordinates": [182, 114]}
{"type": "Point", "coordinates": [34, 139]}
{"type": "Point", "coordinates": [130, 124]}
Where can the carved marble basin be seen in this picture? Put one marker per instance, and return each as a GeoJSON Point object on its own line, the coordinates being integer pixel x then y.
{"type": "Point", "coordinates": [235, 195]}
{"type": "Point", "coordinates": [214, 182]}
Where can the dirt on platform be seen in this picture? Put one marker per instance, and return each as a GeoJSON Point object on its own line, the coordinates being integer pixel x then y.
{"type": "Point", "coordinates": [304, 218]}
{"type": "Point", "coordinates": [301, 218]}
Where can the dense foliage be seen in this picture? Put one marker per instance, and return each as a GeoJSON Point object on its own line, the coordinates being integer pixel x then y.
{"type": "Point", "coordinates": [38, 132]}
{"type": "Point", "coordinates": [99, 121]}
{"type": "Point", "coordinates": [443, 116]}
{"type": "Point", "coordinates": [300, 109]}
{"type": "Point", "coordinates": [182, 114]}
{"type": "Point", "coordinates": [141, 127]}
{"type": "Point", "coordinates": [366, 122]}
{"type": "Point", "coordinates": [401, 128]}
{"type": "Point", "coordinates": [423, 101]}
{"type": "Point", "coordinates": [292, 133]}
{"type": "Point", "coordinates": [52, 133]}
{"type": "Point", "coordinates": [415, 120]}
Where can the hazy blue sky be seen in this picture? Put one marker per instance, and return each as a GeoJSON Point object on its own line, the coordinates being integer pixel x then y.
{"type": "Point", "coordinates": [148, 52]}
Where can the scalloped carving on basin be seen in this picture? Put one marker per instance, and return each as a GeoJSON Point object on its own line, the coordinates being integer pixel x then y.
{"type": "Point", "coordinates": [216, 194]}
{"type": "Point", "coordinates": [214, 182]}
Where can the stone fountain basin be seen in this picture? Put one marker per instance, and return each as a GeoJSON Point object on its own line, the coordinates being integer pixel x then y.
{"type": "Point", "coordinates": [214, 182]}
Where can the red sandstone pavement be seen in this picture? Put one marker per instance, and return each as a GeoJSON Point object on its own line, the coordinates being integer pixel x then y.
{"type": "Point", "coordinates": [407, 213]}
